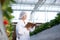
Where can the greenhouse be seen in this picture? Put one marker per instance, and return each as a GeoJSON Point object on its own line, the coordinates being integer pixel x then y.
{"type": "Point", "coordinates": [39, 8]}
{"type": "Point", "coordinates": [35, 19]}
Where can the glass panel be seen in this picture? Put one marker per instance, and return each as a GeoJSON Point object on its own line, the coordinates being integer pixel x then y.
{"type": "Point", "coordinates": [19, 6]}
{"type": "Point", "coordinates": [51, 15]}
{"type": "Point", "coordinates": [16, 14]}
{"type": "Point", "coordinates": [57, 1]}
{"type": "Point", "coordinates": [50, 8]}
{"type": "Point", "coordinates": [28, 7]}
{"type": "Point", "coordinates": [38, 17]}
{"type": "Point", "coordinates": [49, 1]}
{"type": "Point", "coordinates": [42, 17]}
{"type": "Point", "coordinates": [26, 1]}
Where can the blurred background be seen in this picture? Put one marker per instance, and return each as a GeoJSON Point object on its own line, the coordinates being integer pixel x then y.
{"type": "Point", "coordinates": [45, 13]}
{"type": "Point", "coordinates": [38, 11]}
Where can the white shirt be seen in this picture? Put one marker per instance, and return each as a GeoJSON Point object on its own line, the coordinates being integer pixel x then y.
{"type": "Point", "coordinates": [21, 32]}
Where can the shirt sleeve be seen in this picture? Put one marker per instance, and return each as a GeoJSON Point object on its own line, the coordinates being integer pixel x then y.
{"type": "Point", "coordinates": [19, 24]}
{"type": "Point", "coordinates": [19, 28]}
{"type": "Point", "coordinates": [20, 32]}
{"type": "Point", "coordinates": [32, 29]}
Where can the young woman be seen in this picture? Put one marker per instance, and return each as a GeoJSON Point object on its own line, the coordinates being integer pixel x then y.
{"type": "Point", "coordinates": [21, 23]}
{"type": "Point", "coordinates": [21, 29]}
{"type": "Point", "coordinates": [23, 33]}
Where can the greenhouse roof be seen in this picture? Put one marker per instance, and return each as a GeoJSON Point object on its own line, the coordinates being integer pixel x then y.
{"type": "Point", "coordinates": [37, 5]}
{"type": "Point", "coordinates": [47, 9]}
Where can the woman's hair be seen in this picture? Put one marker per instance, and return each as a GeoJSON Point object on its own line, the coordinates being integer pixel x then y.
{"type": "Point", "coordinates": [22, 14]}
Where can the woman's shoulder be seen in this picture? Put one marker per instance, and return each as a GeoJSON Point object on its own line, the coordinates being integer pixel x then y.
{"type": "Point", "coordinates": [19, 22]}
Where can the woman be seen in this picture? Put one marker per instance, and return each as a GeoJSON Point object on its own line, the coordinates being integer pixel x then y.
{"type": "Point", "coordinates": [21, 32]}
{"type": "Point", "coordinates": [21, 23]}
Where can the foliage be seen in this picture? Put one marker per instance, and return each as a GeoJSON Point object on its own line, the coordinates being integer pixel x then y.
{"type": "Point", "coordinates": [7, 10]}
{"type": "Point", "coordinates": [47, 25]}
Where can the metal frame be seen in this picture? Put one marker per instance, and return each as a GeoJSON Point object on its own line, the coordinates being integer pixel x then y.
{"type": "Point", "coordinates": [37, 5]}
{"type": "Point", "coordinates": [40, 3]}
{"type": "Point", "coordinates": [36, 10]}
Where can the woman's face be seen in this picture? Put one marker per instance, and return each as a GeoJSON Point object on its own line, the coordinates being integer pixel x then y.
{"type": "Point", "coordinates": [24, 17]}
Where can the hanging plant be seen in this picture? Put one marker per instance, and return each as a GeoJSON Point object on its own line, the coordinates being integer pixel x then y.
{"type": "Point", "coordinates": [47, 25]}
{"type": "Point", "coordinates": [5, 22]}
{"type": "Point", "coordinates": [7, 10]}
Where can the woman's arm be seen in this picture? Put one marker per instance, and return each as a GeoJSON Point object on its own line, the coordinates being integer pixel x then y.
{"type": "Point", "coordinates": [32, 29]}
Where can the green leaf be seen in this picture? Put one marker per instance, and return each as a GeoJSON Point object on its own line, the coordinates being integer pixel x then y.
{"type": "Point", "coordinates": [47, 25]}
{"type": "Point", "coordinates": [7, 15]}
{"type": "Point", "coordinates": [13, 1]}
{"type": "Point", "coordinates": [9, 9]}
{"type": "Point", "coordinates": [5, 5]}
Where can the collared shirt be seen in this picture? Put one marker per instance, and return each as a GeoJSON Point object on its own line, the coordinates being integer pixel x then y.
{"type": "Point", "coordinates": [21, 32]}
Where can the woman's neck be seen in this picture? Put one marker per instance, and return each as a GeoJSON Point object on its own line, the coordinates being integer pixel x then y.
{"type": "Point", "coordinates": [23, 21]}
